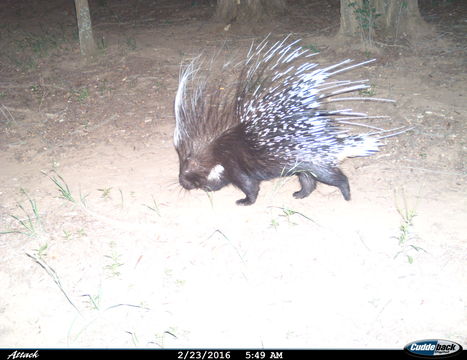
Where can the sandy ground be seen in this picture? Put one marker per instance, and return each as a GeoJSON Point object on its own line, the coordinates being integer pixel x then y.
{"type": "Point", "coordinates": [131, 260]}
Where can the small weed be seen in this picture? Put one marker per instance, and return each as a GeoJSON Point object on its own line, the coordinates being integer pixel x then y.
{"type": "Point", "coordinates": [63, 188]}
{"type": "Point", "coordinates": [65, 191]}
{"type": "Point", "coordinates": [287, 214]}
{"type": "Point", "coordinates": [93, 302]}
{"type": "Point", "coordinates": [405, 234]}
{"type": "Point", "coordinates": [210, 196]}
{"type": "Point", "coordinates": [53, 274]}
{"type": "Point", "coordinates": [82, 94]}
{"type": "Point", "coordinates": [115, 264]}
{"type": "Point", "coordinates": [274, 224]}
{"type": "Point", "coordinates": [168, 272]}
{"type": "Point", "coordinates": [134, 338]}
{"type": "Point", "coordinates": [154, 206]}
{"type": "Point", "coordinates": [81, 233]}
{"type": "Point", "coordinates": [160, 338]}
{"type": "Point", "coordinates": [312, 48]}
{"type": "Point", "coordinates": [121, 198]}
{"type": "Point", "coordinates": [30, 224]}
{"type": "Point", "coordinates": [368, 92]}
{"type": "Point", "coordinates": [67, 235]}
{"type": "Point", "coordinates": [41, 252]}
{"type": "Point", "coordinates": [105, 193]}
{"type": "Point", "coordinates": [407, 216]}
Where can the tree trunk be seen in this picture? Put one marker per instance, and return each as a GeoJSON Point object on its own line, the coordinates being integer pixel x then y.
{"type": "Point", "coordinates": [86, 38]}
{"type": "Point", "coordinates": [388, 20]}
{"type": "Point", "coordinates": [349, 24]}
{"type": "Point", "coordinates": [248, 10]}
{"type": "Point", "coordinates": [401, 18]}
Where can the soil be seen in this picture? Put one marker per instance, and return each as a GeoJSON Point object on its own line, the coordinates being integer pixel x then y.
{"type": "Point", "coordinates": [132, 260]}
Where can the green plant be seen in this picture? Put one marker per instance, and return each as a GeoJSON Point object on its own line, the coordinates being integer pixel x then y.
{"type": "Point", "coordinates": [210, 196]}
{"type": "Point", "coordinates": [63, 188]}
{"type": "Point", "coordinates": [41, 252]}
{"type": "Point", "coordinates": [368, 92]}
{"type": "Point", "coordinates": [366, 16]}
{"type": "Point", "coordinates": [105, 192]}
{"type": "Point", "coordinates": [53, 274]}
{"type": "Point", "coordinates": [67, 235]}
{"type": "Point", "coordinates": [405, 234]}
{"type": "Point", "coordinates": [30, 224]}
{"type": "Point", "coordinates": [312, 48]}
{"type": "Point", "coordinates": [274, 224]}
{"type": "Point", "coordinates": [82, 94]}
{"type": "Point", "coordinates": [93, 302]}
{"type": "Point", "coordinates": [81, 233]}
{"type": "Point", "coordinates": [115, 262]}
{"type": "Point", "coordinates": [154, 206]}
{"type": "Point", "coordinates": [134, 338]}
{"type": "Point", "coordinates": [288, 214]}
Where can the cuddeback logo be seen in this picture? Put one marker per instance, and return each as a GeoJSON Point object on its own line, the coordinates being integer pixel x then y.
{"type": "Point", "coordinates": [433, 348]}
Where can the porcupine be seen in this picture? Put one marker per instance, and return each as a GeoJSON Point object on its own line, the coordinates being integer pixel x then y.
{"type": "Point", "coordinates": [270, 122]}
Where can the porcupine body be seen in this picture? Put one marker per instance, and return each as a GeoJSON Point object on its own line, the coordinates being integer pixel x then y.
{"type": "Point", "coordinates": [271, 121]}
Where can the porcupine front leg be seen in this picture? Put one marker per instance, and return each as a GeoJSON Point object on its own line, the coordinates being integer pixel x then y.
{"type": "Point", "coordinates": [308, 184]}
{"type": "Point", "coordinates": [249, 185]}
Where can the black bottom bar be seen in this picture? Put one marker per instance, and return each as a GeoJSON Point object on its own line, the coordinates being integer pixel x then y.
{"type": "Point", "coordinates": [206, 354]}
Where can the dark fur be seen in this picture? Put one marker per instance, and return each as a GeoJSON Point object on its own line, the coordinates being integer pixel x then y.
{"type": "Point", "coordinates": [245, 168]}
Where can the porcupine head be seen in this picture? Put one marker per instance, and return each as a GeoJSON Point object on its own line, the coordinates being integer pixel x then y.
{"type": "Point", "coordinates": [202, 118]}
{"type": "Point", "coordinates": [269, 121]}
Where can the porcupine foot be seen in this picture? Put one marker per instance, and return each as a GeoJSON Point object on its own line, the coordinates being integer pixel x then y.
{"type": "Point", "coordinates": [249, 186]}
{"type": "Point", "coordinates": [308, 184]}
{"type": "Point", "coordinates": [335, 177]}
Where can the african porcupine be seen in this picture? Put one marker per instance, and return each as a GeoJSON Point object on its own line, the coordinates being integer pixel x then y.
{"type": "Point", "coordinates": [270, 122]}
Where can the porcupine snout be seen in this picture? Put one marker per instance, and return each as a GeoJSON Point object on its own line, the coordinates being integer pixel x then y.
{"type": "Point", "coordinates": [194, 175]}
{"type": "Point", "coordinates": [191, 175]}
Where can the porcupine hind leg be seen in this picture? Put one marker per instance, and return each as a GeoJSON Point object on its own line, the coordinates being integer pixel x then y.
{"type": "Point", "coordinates": [249, 185]}
{"type": "Point", "coordinates": [335, 177]}
{"type": "Point", "coordinates": [308, 184]}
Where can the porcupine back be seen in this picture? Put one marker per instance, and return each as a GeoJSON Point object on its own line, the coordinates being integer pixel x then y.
{"type": "Point", "coordinates": [283, 104]}
{"type": "Point", "coordinates": [277, 108]}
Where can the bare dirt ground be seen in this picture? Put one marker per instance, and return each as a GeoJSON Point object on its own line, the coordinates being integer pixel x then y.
{"type": "Point", "coordinates": [131, 260]}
